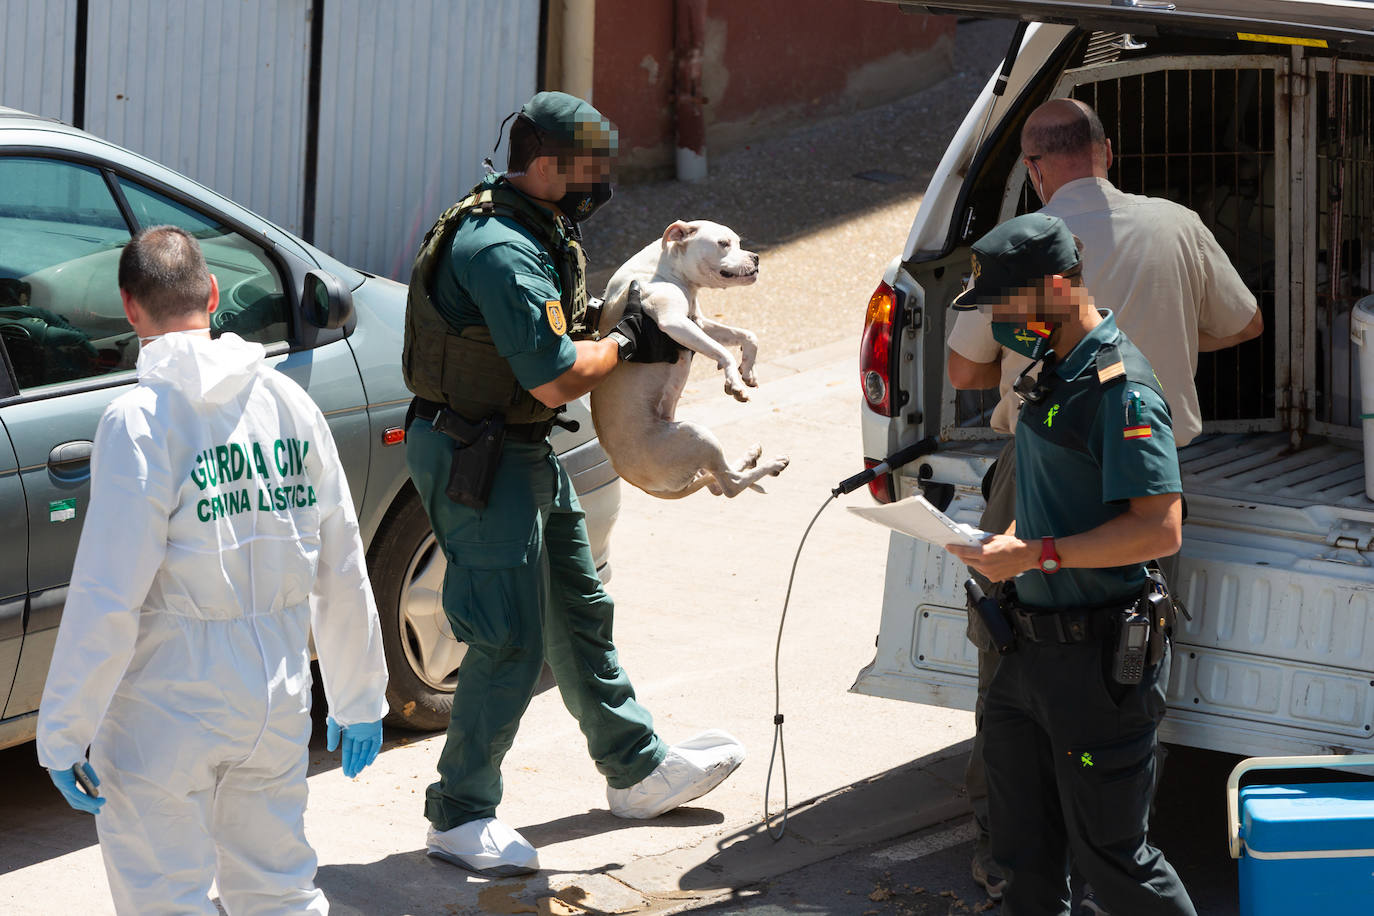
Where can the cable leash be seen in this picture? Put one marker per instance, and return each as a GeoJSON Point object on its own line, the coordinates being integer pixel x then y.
{"type": "Point", "coordinates": [779, 748]}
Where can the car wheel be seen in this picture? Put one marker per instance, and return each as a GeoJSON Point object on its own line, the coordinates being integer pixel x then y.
{"type": "Point", "coordinates": [422, 655]}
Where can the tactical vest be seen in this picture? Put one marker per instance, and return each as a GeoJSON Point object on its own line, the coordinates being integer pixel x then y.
{"type": "Point", "coordinates": [462, 368]}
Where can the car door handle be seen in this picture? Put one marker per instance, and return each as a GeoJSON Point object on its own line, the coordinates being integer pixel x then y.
{"type": "Point", "coordinates": [71, 460]}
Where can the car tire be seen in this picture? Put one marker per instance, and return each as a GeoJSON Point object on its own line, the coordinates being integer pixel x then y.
{"type": "Point", "coordinates": [422, 655]}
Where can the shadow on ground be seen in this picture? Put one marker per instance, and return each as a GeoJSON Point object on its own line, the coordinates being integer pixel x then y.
{"type": "Point", "coordinates": [892, 804]}
{"type": "Point", "coordinates": [405, 883]}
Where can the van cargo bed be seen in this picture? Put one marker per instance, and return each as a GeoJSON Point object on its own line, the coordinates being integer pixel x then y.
{"type": "Point", "coordinates": [1265, 468]}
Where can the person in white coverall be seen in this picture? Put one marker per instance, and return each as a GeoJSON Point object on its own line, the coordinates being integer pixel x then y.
{"type": "Point", "coordinates": [220, 531]}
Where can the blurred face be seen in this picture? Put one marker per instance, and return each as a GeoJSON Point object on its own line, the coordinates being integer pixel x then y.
{"type": "Point", "coordinates": [1024, 318]}
{"type": "Point", "coordinates": [577, 174]}
{"type": "Point", "coordinates": [1049, 301]}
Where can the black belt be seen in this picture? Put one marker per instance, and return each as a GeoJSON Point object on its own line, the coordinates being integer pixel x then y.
{"type": "Point", "coordinates": [425, 409]}
{"type": "Point", "coordinates": [1064, 627]}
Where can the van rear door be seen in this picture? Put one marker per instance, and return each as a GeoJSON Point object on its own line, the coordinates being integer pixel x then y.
{"type": "Point", "coordinates": [1338, 24]}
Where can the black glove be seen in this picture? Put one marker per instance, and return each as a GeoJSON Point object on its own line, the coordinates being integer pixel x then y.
{"type": "Point", "coordinates": [643, 340]}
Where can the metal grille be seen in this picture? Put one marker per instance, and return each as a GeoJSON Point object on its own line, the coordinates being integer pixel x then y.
{"type": "Point", "coordinates": [1343, 213]}
{"type": "Point", "coordinates": [1202, 137]}
{"type": "Point", "coordinates": [1205, 139]}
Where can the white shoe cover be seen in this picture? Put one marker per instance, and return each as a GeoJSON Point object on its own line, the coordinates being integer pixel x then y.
{"type": "Point", "coordinates": [689, 771]}
{"type": "Point", "coordinates": [487, 847]}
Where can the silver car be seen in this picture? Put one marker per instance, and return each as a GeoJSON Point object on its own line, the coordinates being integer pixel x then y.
{"type": "Point", "coordinates": [68, 203]}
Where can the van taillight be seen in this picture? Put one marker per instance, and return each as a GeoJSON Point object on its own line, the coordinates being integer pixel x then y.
{"type": "Point", "coordinates": [882, 487]}
{"type": "Point", "coordinates": [875, 353]}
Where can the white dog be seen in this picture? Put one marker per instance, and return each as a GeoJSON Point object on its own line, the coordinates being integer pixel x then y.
{"type": "Point", "coordinates": [633, 408]}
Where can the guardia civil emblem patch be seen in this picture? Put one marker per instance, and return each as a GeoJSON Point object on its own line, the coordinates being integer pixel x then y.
{"type": "Point", "coordinates": [554, 308]}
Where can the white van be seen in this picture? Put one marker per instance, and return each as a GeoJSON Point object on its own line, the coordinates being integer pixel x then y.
{"type": "Point", "coordinates": [1258, 115]}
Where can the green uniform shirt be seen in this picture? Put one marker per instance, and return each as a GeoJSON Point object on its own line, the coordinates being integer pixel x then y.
{"type": "Point", "coordinates": [1090, 445]}
{"type": "Point", "coordinates": [496, 273]}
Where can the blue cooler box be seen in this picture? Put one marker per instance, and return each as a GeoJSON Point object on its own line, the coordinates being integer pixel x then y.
{"type": "Point", "coordinates": [1305, 848]}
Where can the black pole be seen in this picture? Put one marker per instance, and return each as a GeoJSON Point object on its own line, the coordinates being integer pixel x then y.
{"type": "Point", "coordinates": [83, 15]}
{"type": "Point", "coordinates": [312, 122]}
{"type": "Point", "coordinates": [541, 74]}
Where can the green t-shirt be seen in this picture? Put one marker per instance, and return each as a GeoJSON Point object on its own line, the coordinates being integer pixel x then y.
{"type": "Point", "coordinates": [496, 273]}
{"type": "Point", "coordinates": [1082, 452]}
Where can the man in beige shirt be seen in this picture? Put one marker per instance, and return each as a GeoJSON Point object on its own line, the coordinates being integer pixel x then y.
{"type": "Point", "coordinates": [1173, 290]}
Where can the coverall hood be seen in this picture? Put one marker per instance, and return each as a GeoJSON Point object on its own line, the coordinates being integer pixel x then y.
{"type": "Point", "coordinates": [205, 370]}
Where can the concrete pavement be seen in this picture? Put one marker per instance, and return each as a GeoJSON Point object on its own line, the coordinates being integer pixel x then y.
{"type": "Point", "coordinates": [699, 585]}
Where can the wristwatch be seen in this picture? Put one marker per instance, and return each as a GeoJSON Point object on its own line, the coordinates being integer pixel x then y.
{"type": "Point", "coordinates": [627, 347]}
{"type": "Point", "coordinates": [1049, 557]}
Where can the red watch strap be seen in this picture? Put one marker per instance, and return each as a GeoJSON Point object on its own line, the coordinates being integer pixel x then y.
{"type": "Point", "coordinates": [1048, 553]}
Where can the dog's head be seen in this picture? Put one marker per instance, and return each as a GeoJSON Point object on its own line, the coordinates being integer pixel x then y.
{"type": "Point", "coordinates": [709, 254]}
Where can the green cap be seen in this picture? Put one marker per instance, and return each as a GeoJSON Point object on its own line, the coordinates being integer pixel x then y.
{"type": "Point", "coordinates": [572, 124]}
{"type": "Point", "coordinates": [1016, 254]}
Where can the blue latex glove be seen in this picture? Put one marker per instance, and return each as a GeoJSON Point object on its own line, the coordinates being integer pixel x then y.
{"type": "Point", "coordinates": [360, 744]}
{"type": "Point", "coordinates": [65, 780]}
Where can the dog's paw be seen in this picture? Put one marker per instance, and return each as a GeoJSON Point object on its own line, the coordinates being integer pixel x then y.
{"type": "Point", "coordinates": [780, 464]}
{"type": "Point", "coordinates": [736, 391]}
{"type": "Point", "coordinates": [750, 379]}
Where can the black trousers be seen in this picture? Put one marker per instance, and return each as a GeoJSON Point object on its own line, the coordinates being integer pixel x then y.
{"type": "Point", "coordinates": [1070, 758]}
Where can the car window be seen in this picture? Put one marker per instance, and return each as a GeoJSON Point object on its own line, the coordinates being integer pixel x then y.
{"type": "Point", "coordinates": [60, 237]}
{"type": "Point", "coordinates": [252, 299]}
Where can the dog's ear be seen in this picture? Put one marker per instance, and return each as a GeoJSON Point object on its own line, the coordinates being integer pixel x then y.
{"type": "Point", "coordinates": [678, 232]}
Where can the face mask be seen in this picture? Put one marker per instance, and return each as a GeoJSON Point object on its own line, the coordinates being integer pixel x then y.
{"type": "Point", "coordinates": [1030, 340]}
{"type": "Point", "coordinates": [578, 206]}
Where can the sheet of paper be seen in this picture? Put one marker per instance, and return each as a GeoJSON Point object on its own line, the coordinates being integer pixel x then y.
{"type": "Point", "coordinates": [917, 517]}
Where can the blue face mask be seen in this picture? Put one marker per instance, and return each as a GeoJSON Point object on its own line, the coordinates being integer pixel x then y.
{"type": "Point", "coordinates": [1030, 339]}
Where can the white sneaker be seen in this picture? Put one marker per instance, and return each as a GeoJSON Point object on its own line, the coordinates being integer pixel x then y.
{"type": "Point", "coordinates": [689, 771]}
{"type": "Point", "coordinates": [487, 847]}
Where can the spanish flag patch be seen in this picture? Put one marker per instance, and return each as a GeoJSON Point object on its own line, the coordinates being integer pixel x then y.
{"type": "Point", "coordinates": [1136, 432]}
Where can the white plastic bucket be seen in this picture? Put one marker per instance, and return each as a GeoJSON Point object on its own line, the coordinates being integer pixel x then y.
{"type": "Point", "coordinates": [1362, 333]}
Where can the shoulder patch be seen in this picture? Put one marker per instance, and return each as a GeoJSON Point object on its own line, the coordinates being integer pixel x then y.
{"type": "Point", "coordinates": [554, 309]}
{"type": "Point", "coordinates": [1136, 425]}
{"type": "Point", "coordinates": [1109, 364]}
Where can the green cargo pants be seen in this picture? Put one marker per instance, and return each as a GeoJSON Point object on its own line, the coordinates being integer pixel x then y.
{"type": "Point", "coordinates": [521, 587]}
{"type": "Point", "coordinates": [1070, 769]}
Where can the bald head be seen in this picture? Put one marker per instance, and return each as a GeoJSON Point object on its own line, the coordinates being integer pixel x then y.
{"type": "Point", "coordinates": [1063, 141]}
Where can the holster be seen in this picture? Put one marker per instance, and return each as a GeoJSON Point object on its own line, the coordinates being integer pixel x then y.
{"type": "Point", "coordinates": [476, 455]}
{"type": "Point", "coordinates": [989, 611]}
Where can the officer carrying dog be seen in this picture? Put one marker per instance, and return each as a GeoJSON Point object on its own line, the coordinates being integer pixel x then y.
{"type": "Point", "coordinates": [497, 294]}
{"type": "Point", "coordinates": [1073, 709]}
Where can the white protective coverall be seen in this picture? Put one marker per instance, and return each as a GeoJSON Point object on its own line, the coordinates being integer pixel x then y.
{"type": "Point", "coordinates": [220, 531]}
